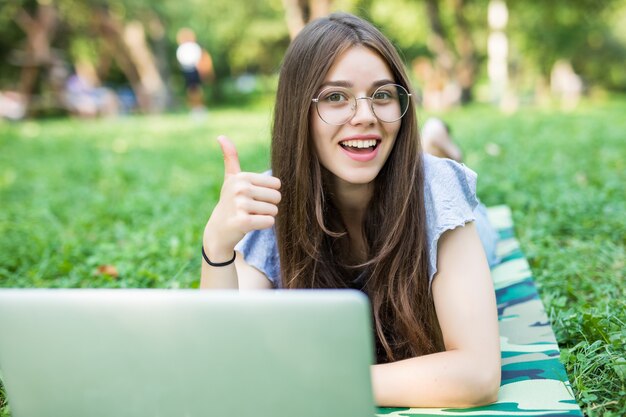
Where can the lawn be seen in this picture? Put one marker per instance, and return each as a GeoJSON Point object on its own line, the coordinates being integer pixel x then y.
{"type": "Point", "coordinates": [123, 202]}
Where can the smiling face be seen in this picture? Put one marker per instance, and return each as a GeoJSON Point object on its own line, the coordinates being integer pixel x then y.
{"type": "Point", "coordinates": [356, 151]}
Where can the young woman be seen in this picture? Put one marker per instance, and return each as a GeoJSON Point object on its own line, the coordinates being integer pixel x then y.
{"type": "Point", "coordinates": [353, 203]}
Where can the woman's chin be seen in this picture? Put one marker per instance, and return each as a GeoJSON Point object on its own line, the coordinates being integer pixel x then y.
{"type": "Point", "coordinates": [361, 176]}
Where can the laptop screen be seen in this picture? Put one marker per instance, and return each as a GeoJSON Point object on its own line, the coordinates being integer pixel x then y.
{"type": "Point", "coordinates": [139, 353]}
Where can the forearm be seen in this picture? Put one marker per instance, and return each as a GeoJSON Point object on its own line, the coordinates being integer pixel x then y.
{"type": "Point", "coordinates": [448, 379]}
{"type": "Point", "coordinates": [467, 374]}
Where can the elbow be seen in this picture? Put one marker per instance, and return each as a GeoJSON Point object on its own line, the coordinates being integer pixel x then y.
{"type": "Point", "coordinates": [485, 382]}
{"type": "Point", "coordinates": [485, 388]}
{"type": "Point", "coordinates": [488, 396]}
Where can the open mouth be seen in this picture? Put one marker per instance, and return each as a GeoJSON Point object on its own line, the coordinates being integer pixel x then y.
{"type": "Point", "coordinates": [359, 145]}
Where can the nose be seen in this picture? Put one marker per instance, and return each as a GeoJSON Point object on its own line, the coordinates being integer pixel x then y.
{"type": "Point", "coordinates": [363, 113]}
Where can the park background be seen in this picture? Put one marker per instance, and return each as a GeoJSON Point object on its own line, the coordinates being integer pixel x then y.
{"type": "Point", "coordinates": [533, 90]}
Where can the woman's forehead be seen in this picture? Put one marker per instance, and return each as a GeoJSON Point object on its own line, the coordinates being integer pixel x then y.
{"type": "Point", "coordinates": [359, 65]}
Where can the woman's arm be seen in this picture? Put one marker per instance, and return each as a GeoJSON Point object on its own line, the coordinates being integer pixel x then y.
{"type": "Point", "coordinates": [467, 374]}
{"type": "Point", "coordinates": [247, 202]}
{"type": "Point", "coordinates": [239, 275]}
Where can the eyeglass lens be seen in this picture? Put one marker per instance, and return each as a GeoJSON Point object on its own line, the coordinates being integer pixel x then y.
{"type": "Point", "coordinates": [337, 105]}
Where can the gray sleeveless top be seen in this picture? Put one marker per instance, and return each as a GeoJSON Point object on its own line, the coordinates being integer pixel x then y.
{"type": "Point", "coordinates": [450, 199]}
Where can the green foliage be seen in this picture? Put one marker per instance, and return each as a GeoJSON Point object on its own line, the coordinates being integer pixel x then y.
{"type": "Point", "coordinates": [409, 29]}
{"type": "Point", "coordinates": [4, 407]}
{"type": "Point", "coordinates": [135, 193]}
{"type": "Point", "coordinates": [586, 32]}
{"type": "Point", "coordinates": [251, 36]}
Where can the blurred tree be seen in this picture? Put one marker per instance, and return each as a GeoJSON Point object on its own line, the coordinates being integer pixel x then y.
{"type": "Point", "coordinates": [252, 40]}
{"type": "Point", "coordinates": [39, 28]}
{"type": "Point", "coordinates": [439, 39]}
{"type": "Point", "coordinates": [582, 32]}
{"type": "Point", "coordinates": [90, 32]}
{"type": "Point", "coordinates": [467, 67]}
{"type": "Point", "coordinates": [299, 12]}
{"type": "Point", "coordinates": [250, 37]}
{"type": "Point", "coordinates": [439, 42]}
{"type": "Point", "coordinates": [452, 36]}
{"type": "Point", "coordinates": [125, 42]}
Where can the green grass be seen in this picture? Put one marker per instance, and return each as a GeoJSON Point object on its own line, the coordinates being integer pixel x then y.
{"type": "Point", "coordinates": [136, 192]}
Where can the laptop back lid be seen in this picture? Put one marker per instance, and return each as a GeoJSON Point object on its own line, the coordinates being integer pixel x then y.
{"type": "Point", "coordinates": [140, 353]}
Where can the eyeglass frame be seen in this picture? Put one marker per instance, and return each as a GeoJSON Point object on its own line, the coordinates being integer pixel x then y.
{"type": "Point", "coordinates": [370, 98]}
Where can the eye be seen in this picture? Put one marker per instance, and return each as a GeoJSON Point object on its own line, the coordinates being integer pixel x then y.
{"type": "Point", "coordinates": [334, 97]}
{"type": "Point", "coordinates": [383, 95]}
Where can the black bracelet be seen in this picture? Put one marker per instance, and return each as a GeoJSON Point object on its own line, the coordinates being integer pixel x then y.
{"type": "Point", "coordinates": [206, 258]}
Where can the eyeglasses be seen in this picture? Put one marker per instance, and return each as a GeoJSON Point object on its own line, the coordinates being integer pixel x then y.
{"type": "Point", "coordinates": [337, 105]}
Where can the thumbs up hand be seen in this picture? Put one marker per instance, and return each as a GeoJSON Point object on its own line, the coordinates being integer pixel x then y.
{"type": "Point", "coordinates": [248, 201]}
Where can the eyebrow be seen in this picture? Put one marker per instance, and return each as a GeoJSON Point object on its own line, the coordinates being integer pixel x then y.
{"type": "Point", "coordinates": [348, 84]}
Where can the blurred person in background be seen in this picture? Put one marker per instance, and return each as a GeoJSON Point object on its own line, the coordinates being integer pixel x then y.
{"type": "Point", "coordinates": [86, 97]}
{"type": "Point", "coordinates": [197, 67]}
{"type": "Point", "coordinates": [12, 105]}
{"type": "Point", "coordinates": [436, 140]}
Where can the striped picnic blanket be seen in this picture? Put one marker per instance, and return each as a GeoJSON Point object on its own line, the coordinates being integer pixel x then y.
{"type": "Point", "coordinates": [534, 382]}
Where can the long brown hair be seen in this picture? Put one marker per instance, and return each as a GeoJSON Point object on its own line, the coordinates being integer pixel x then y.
{"type": "Point", "coordinates": [312, 240]}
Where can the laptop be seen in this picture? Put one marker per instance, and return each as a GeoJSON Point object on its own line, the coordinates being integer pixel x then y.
{"type": "Point", "coordinates": [186, 353]}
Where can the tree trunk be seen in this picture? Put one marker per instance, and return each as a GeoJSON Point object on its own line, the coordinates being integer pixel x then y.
{"type": "Point", "coordinates": [143, 59]}
{"type": "Point", "coordinates": [440, 88]}
{"type": "Point", "coordinates": [294, 15]}
{"type": "Point", "coordinates": [438, 42]}
{"type": "Point", "coordinates": [300, 12]}
{"type": "Point", "coordinates": [156, 32]}
{"type": "Point", "coordinates": [319, 8]}
{"type": "Point", "coordinates": [110, 31]}
{"type": "Point", "coordinates": [39, 32]}
{"type": "Point", "coordinates": [468, 64]}
{"type": "Point", "coordinates": [497, 50]}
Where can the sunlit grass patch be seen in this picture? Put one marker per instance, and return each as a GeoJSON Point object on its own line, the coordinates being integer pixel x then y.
{"type": "Point", "coordinates": [123, 203]}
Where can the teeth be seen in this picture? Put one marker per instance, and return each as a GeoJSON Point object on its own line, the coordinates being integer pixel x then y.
{"type": "Point", "coordinates": [359, 143]}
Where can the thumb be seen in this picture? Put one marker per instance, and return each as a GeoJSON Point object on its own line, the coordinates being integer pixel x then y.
{"type": "Point", "coordinates": [231, 159]}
